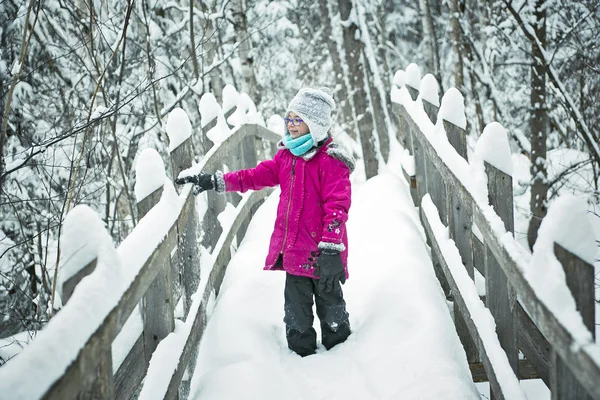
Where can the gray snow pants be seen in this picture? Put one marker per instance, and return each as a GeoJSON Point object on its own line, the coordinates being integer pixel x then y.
{"type": "Point", "coordinates": [331, 310]}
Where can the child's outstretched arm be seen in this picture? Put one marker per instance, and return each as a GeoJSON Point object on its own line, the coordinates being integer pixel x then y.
{"type": "Point", "coordinates": [265, 174]}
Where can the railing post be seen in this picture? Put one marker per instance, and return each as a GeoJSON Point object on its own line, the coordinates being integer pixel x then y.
{"type": "Point", "coordinates": [100, 384]}
{"type": "Point", "coordinates": [248, 150]}
{"type": "Point", "coordinates": [187, 272]}
{"type": "Point", "coordinates": [500, 296]}
{"type": "Point", "coordinates": [580, 281]}
{"type": "Point", "coordinates": [157, 303]}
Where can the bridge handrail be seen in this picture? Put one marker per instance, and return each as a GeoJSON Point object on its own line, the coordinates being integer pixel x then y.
{"type": "Point", "coordinates": [480, 225]}
{"type": "Point", "coordinates": [167, 224]}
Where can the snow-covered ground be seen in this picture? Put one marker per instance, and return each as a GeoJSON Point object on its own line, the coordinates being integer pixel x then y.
{"type": "Point", "coordinates": [403, 344]}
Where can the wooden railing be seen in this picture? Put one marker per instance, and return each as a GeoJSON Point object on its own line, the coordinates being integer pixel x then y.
{"type": "Point", "coordinates": [158, 266]}
{"type": "Point", "coordinates": [445, 186]}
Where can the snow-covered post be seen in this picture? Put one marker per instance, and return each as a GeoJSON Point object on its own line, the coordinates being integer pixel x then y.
{"type": "Point", "coordinates": [569, 286]}
{"type": "Point", "coordinates": [215, 127]}
{"type": "Point", "coordinates": [213, 121]}
{"type": "Point", "coordinates": [453, 115]}
{"type": "Point", "coordinates": [493, 149]}
{"type": "Point", "coordinates": [157, 304]}
{"type": "Point", "coordinates": [187, 265]}
{"type": "Point", "coordinates": [84, 239]}
{"type": "Point", "coordinates": [403, 134]}
{"type": "Point", "coordinates": [413, 80]}
{"type": "Point", "coordinates": [430, 96]}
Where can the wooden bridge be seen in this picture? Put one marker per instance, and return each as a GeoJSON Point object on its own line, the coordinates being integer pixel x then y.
{"type": "Point", "coordinates": [178, 254]}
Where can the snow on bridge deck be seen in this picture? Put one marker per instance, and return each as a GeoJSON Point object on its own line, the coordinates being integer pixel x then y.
{"type": "Point", "coordinates": [403, 344]}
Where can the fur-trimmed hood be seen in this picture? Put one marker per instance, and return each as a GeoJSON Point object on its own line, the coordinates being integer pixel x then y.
{"type": "Point", "coordinates": [333, 149]}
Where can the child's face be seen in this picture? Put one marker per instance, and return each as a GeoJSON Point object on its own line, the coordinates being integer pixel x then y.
{"type": "Point", "coordinates": [296, 131]}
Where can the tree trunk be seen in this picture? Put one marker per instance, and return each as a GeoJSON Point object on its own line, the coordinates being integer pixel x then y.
{"type": "Point", "coordinates": [459, 78]}
{"type": "Point", "coordinates": [356, 76]}
{"type": "Point", "coordinates": [240, 24]}
{"type": "Point", "coordinates": [538, 122]}
{"type": "Point", "coordinates": [430, 39]}
{"type": "Point", "coordinates": [341, 92]}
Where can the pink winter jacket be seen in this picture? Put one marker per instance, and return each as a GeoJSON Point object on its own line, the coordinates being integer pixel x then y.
{"type": "Point", "coordinates": [313, 204]}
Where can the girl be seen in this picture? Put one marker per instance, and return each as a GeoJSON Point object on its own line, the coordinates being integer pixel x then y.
{"type": "Point", "coordinates": [309, 241]}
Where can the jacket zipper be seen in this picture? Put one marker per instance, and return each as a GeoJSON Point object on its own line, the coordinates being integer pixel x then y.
{"type": "Point", "coordinates": [287, 214]}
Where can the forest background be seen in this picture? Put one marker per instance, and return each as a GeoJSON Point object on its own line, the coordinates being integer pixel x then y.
{"type": "Point", "coordinates": [85, 85]}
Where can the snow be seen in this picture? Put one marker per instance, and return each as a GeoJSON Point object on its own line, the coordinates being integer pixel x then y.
{"type": "Point", "coordinates": [99, 112]}
{"type": "Point", "coordinates": [179, 128]}
{"type": "Point", "coordinates": [413, 76]}
{"type": "Point", "coordinates": [81, 246]}
{"type": "Point", "coordinates": [546, 275]}
{"type": "Point", "coordinates": [430, 90]}
{"type": "Point", "coordinates": [245, 112]}
{"type": "Point", "coordinates": [480, 315]}
{"type": "Point", "coordinates": [230, 97]}
{"type": "Point", "coordinates": [149, 172]}
{"type": "Point", "coordinates": [453, 108]}
{"type": "Point", "coordinates": [493, 147]}
{"type": "Point", "coordinates": [209, 108]}
{"type": "Point", "coordinates": [276, 124]}
{"type": "Point", "coordinates": [398, 313]}
{"type": "Point", "coordinates": [15, 68]}
{"type": "Point", "coordinates": [399, 78]}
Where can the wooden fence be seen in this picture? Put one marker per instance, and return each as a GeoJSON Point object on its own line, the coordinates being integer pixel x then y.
{"type": "Point", "coordinates": [170, 273]}
{"type": "Point", "coordinates": [524, 323]}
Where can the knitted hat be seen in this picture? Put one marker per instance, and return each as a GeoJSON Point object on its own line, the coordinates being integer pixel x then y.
{"type": "Point", "coordinates": [315, 107]}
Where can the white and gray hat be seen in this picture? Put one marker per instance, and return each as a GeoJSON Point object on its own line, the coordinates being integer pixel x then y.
{"type": "Point", "coordinates": [315, 107]}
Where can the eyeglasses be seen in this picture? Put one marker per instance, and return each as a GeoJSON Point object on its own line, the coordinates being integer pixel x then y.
{"type": "Point", "coordinates": [294, 121]}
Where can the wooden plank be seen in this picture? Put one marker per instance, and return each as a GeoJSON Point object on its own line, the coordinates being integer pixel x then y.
{"type": "Point", "coordinates": [500, 296]}
{"type": "Point", "coordinates": [478, 253]}
{"type": "Point", "coordinates": [498, 301]}
{"type": "Point", "coordinates": [437, 190]}
{"type": "Point", "coordinates": [500, 195]}
{"type": "Point", "coordinates": [495, 385]}
{"type": "Point", "coordinates": [460, 220]}
{"type": "Point", "coordinates": [157, 303]}
{"type": "Point", "coordinates": [526, 371]}
{"type": "Point", "coordinates": [533, 344]}
{"type": "Point", "coordinates": [431, 111]}
{"type": "Point", "coordinates": [420, 169]}
{"type": "Point", "coordinates": [69, 286]}
{"type": "Point", "coordinates": [457, 138]}
{"type": "Point", "coordinates": [131, 372]}
{"type": "Point", "coordinates": [414, 93]}
{"type": "Point", "coordinates": [580, 280]}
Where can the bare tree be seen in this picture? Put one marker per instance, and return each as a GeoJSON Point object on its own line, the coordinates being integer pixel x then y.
{"type": "Point", "coordinates": [356, 71]}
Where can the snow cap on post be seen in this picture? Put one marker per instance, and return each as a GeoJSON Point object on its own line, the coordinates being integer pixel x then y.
{"type": "Point", "coordinates": [230, 97]}
{"type": "Point", "coordinates": [150, 174]}
{"type": "Point", "coordinates": [430, 90]}
{"type": "Point", "coordinates": [179, 128]}
{"type": "Point", "coordinates": [413, 80]}
{"type": "Point", "coordinates": [493, 147]}
{"type": "Point", "coordinates": [84, 238]}
{"type": "Point", "coordinates": [399, 78]}
{"type": "Point", "coordinates": [209, 109]}
{"type": "Point", "coordinates": [276, 124]}
{"type": "Point", "coordinates": [413, 76]}
{"type": "Point", "coordinates": [453, 108]}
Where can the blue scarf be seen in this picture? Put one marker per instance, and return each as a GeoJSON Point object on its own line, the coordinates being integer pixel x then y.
{"type": "Point", "coordinates": [300, 145]}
